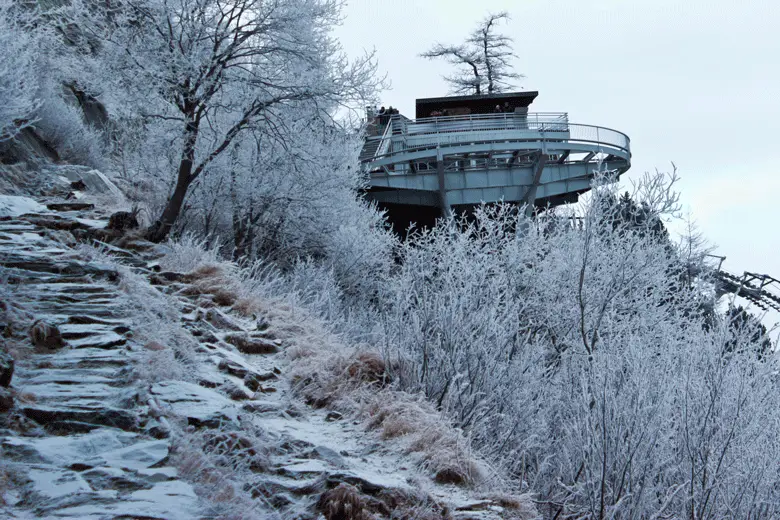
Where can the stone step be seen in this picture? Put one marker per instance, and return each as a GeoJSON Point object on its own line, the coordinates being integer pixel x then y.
{"type": "Point", "coordinates": [85, 319]}
{"type": "Point", "coordinates": [70, 206]}
{"type": "Point", "coordinates": [103, 447]}
{"type": "Point", "coordinates": [107, 340]}
{"type": "Point", "coordinates": [28, 267]}
{"type": "Point", "coordinates": [33, 252]}
{"type": "Point", "coordinates": [68, 376]}
{"type": "Point", "coordinates": [55, 417]}
{"type": "Point", "coordinates": [43, 278]}
{"type": "Point", "coordinates": [72, 288]}
{"type": "Point", "coordinates": [84, 393]}
{"type": "Point", "coordinates": [87, 299]}
{"type": "Point", "coordinates": [84, 358]}
{"type": "Point", "coordinates": [69, 309]}
{"type": "Point", "coordinates": [79, 331]}
{"type": "Point", "coordinates": [103, 473]}
{"type": "Point", "coordinates": [17, 227]}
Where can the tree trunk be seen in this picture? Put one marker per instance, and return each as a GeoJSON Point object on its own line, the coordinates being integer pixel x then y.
{"type": "Point", "coordinates": [162, 227]}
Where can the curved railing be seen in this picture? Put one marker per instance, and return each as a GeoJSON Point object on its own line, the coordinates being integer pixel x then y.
{"type": "Point", "coordinates": [404, 136]}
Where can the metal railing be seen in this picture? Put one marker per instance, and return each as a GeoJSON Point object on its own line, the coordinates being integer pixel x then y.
{"type": "Point", "coordinates": [553, 121]}
{"type": "Point", "coordinates": [403, 135]}
{"type": "Point", "coordinates": [384, 143]}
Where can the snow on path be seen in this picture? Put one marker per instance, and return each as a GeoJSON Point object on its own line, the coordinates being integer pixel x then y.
{"type": "Point", "coordinates": [13, 206]}
{"type": "Point", "coordinates": [74, 474]}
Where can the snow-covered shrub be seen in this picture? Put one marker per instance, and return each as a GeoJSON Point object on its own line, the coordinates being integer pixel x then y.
{"type": "Point", "coordinates": [18, 69]}
{"type": "Point", "coordinates": [194, 77]}
{"type": "Point", "coordinates": [61, 123]}
{"type": "Point", "coordinates": [35, 66]}
{"type": "Point", "coordinates": [188, 253]}
{"type": "Point", "coordinates": [154, 318]}
{"type": "Point", "coordinates": [573, 355]}
{"type": "Point", "coordinates": [292, 200]}
{"type": "Point", "coordinates": [222, 464]}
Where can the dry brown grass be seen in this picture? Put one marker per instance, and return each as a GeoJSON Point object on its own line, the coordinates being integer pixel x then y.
{"type": "Point", "coordinates": [517, 507]}
{"type": "Point", "coordinates": [357, 384]}
{"type": "Point", "coordinates": [213, 281]}
{"type": "Point", "coordinates": [246, 307]}
{"type": "Point", "coordinates": [369, 367]}
{"type": "Point", "coordinates": [426, 435]}
{"type": "Point", "coordinates": [194, 466]}
{"type": "Point", "coordinates": [26, 397]}
{"type": "Point", "coordinates": [235, 448]}
{"type": "Point", "coordinates": [155, 346]}
{"type": "Point", "coordinates": [215, 462]}
{"type": "Point", "coordinates": [205, 272]}
{"type": "Point", "coordinates": [413, 505]}
{"type": "Point", "coordinates": [224, 298]}
{"type": "Point", "coordinates": [346, 502]}
{"type": "Point", "coordinates": [325, 373]}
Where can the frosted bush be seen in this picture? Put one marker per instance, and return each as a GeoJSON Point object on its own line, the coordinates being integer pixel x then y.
{"type": "Point", "coordinates": [187, 253]}
{"type": "Point", "coordinates": [577, 358]}
{"type": "Point", "coordinates": [62, 126]}
{"type": "Point", "coordinates": [18, 70]}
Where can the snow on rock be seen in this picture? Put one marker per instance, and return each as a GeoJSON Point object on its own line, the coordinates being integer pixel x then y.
{"type": "Point", "coordinates": [93, 223]}
{"type": "Point", "coordinates": [165, 501]}
{"type": "Point", "coordinates": [103, 340]}
{"type": "Point", "coordinates": [159, 474]}
{"type": "Point", "coordinates": [13, 206]}
{"type": "Point", "coordinates": [201, 406]}
{"type": "Point", "coordinates": [50, 483]}
{"type": "Point", "coordinates": [95, 180]}
{"type": "Point", "coordinates": [102, 447]}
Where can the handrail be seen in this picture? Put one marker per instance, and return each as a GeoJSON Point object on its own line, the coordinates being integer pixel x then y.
{"type": "Point", "coordinates": [384, 142]}
{"type": "Point", "coordinates": [403, 135]}
{"type": "Point", "coordinates": [409, 135]}
{"type": "Point", "coordinates": [540, 116]}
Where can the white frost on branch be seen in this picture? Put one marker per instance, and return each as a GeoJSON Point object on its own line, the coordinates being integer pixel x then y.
{"type": "Point", "coordinates": [18, 81]}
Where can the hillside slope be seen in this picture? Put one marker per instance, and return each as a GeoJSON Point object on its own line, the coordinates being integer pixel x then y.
{"type": "Point", "coordinates": [141, 392]}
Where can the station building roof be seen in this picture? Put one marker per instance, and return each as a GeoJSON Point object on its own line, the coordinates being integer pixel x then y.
{"type": "Point", "coordinates": [473, 104]}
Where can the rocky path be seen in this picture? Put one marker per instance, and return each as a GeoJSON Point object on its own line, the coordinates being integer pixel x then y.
{"type": "Point", "coordinates": [89, 438]}
{"type": "Point", "coordinates": [80, 449]}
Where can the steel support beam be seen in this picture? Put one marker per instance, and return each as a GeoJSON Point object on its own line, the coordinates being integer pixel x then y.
{"type": "Point", "coordinates": [444, 205]}
{"type": "Point", "coordinates": [530, 197]}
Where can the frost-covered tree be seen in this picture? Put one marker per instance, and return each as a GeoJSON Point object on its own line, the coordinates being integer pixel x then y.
{"type": "Point", "coordinates": [281, 200]}
{"type": "Point", "coordinates": [469, 79]}
{"type": "Point", "coordinates": [484, 59]}
{"type": "Point", "coordinates": [18, 72]}
{"type": "Point", "coordinates": [743, 324]}
{"type": "Point", "coordinates": [216, 69]}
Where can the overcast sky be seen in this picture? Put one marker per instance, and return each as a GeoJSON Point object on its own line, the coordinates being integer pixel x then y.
{"type": "Point", "coordinates": [693, 82]}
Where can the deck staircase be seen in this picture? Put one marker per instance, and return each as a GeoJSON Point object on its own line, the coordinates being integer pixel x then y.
{"type": "Point", "coordinates": [369, 148]}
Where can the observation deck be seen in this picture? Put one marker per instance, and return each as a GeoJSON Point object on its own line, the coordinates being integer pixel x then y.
{"type": "Point", "coordinates": [434, 165]}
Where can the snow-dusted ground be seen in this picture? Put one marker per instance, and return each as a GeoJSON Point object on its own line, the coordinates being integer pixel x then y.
{"type": "Point", "coordinates": [94, 433]}
{"type": "Point", "coordinates": [13, 206]}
